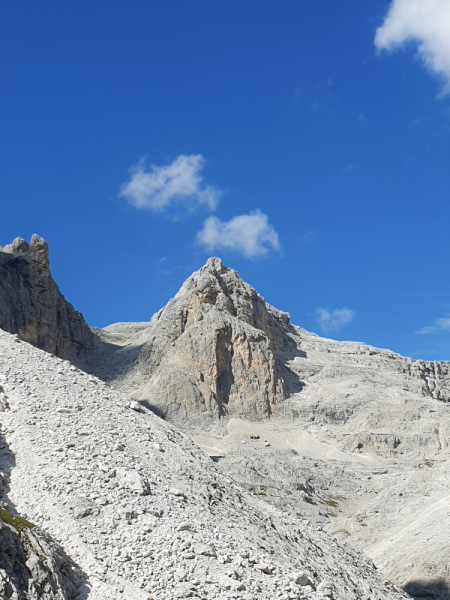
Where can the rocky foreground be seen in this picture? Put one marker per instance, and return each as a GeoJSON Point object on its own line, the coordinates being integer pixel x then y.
{"type": "Point", "coordinates": [141, 510]}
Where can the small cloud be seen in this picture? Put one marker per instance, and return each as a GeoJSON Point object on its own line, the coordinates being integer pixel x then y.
{"type": "Point", "coordinates": [334, 320]}
{"type": "Point", "coordinates": [349, 168]}
{"type": "Point", "coordinates": [426, 22]}
{"type": "Point", "coordinates": [442, 324]}
{"type": "Point", "coordinates": [251, 235]}
{"type": "Point", "coordinates": [361, 116]}
{"type": "Point", "coordinates": [157, 188]}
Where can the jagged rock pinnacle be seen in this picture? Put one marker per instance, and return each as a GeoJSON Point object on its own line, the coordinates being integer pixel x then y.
{"type": "Point", "coordinates": [31, 303]}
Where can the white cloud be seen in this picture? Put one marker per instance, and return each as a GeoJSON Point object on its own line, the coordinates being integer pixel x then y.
{"type": "Point", "coordinates": [426, 22]}
{"type": "Point", "coordinates": [442, 324]}
{"type": "Point", "coordinates": [334, 320]}
{"type": "Point", "coordinates": [180, 182]}
{"type": "Point", "coordinates": [251, 235]}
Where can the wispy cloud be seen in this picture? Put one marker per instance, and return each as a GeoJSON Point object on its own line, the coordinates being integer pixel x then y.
{"type": "Point", "coordinates": [442, 324]}
{"type": "Point", "coordinates": [335, 319]}
{"type": "Point", "coordinates": [156, 188]}
{"type": "Point", "coordinates": [251, 235]}
{"type": "Point", "coordinates": [426, 22]}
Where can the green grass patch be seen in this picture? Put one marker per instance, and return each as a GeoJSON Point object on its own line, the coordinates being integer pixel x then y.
{"type": "Point", "coordinates": [17, 522]}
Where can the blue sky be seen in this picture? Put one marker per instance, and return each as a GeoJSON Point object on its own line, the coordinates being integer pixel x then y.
{"type": "Point", "coordinates": [305, 142]}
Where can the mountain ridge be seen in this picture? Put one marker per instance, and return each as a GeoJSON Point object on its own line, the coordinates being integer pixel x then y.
{"type": "Point", "coordinates": [348, 436]}
{"type": "Point", "coordinates": [32, 305]}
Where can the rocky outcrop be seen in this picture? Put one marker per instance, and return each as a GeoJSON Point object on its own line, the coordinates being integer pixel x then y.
{"type": "Point", "coordinates": [219, 350]}
{"type": "Point", "coordinates": [32, 305]}
{"type": "Point", "coordinates": [213, 350]}
{"type": "Point", "coordinates": [32, 565]}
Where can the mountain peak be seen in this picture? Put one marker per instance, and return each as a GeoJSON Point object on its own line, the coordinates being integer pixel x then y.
{"type": "Point", "coordinates": [37, 249]}
{"type": "Point", "coordinates": [31, 303]}
{"type": "Point", "coordinates": [213, 264]}
{"type": "Point", "coordinates": [212, 349]}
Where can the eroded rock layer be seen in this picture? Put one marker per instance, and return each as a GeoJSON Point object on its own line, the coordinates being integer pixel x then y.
{"type": "Point", "coordinates": [219, 350]}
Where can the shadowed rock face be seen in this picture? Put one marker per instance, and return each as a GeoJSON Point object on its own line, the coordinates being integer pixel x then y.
{"type": "Point", "coordinates": [33, 566]}
{"type": "Point", "coordinates": [32, 305]}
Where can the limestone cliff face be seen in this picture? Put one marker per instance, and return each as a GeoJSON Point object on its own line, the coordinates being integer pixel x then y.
{"type": "Point", "coordinates": [213, 349]}
{"type": "Point", "coordinates": [218, 350]}
{"type": "Point", "coordinates": [32, 305]}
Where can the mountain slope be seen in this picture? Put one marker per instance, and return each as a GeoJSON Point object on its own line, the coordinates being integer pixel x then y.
{"type": "Point", "coordinates": [142, 509]}
{"type": "Point", "coordinates": [355, 437]}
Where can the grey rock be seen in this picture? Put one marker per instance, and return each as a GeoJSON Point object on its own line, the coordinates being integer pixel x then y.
{"type": "Point", "coordinates": [32, 565]}
{"type": "Point", "coordinates": [32, 305]}
{"type": "Point", "coordinates": [121, 558]}
{"type": "Point", "coordinates": [306, 423]}
{"type": "Point", "coordinates": [300, 578]}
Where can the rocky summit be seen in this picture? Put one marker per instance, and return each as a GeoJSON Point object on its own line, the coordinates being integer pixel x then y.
{"type": "Point", "coordinates": [31, 304]}
{"type": "Point", "coordinates": [280, 458]}
{"type": "Point", "coordinates": [218, 350]}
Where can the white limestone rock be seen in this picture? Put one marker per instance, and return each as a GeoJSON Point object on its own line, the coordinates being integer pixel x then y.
{"type": "Point", "coordinates": [119, 557]}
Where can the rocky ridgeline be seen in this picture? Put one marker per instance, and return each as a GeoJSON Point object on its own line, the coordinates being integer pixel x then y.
{"type": "Point", "coordinates": [218, 350]}
{"type": "Point", "coordinates": [350, 437]}
{"type": "Point", "coordinates": [31, 304]}
{"type": "Point", "coordinates": [211, 351]}
{"type": "Point", "coordinates": [142, 510]}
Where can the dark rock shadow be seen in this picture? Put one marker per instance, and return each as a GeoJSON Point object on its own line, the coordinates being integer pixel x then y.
{"type": "Point", "coordinates": [438, 590]}
{"type": "Point", "coordinates": [32, 563]}
{"type": "Point", "coordinates": [154, 409]}
{"type": "Point", "coordinates": [107, 360]}
{"type": "Point", "coordinates": [293, 382]}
